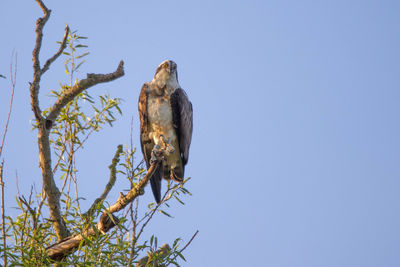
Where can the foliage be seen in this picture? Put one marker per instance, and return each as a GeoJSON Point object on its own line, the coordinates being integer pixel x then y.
{"type": "Point", "coordinates": [30, 232]}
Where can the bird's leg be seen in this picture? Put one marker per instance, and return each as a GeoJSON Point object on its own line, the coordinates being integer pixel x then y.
{"type": "Point", "coordinates": [156, 153]}
{"type": "Point", "coordinates": [167, 144]}
{"type": "Point", "coordinates": [163, 145]}
{"type": "Point", "coordinates": [175, 177]}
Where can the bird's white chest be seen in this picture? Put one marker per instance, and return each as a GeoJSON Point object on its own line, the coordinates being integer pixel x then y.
{"type": "Point", "coordinates": [159, 111]}
{"type": "Point", "coordinates": [160, 118]}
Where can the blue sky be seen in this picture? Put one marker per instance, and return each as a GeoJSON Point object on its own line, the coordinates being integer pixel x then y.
{"type": "Point", "coordinates": [295, 152]}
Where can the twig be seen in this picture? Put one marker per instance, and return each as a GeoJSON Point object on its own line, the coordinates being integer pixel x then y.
{"type": "Point", "coordinates": [59, 52]}
{"type": "Point", "coordinates": [187, 244]}
{"type": "Point", "coordinates": [32, 212]}
{"type": "Point", "coordinates": [134, 239]}
{"type": "Point", "coordinates": [110, 184]}
{"type": "Point", "coordinates": [13, 79]}
{"type": "Point", "coordinates": [39, 210]}
{"type": "Point", "coordinates": [150, 215]}
{"type": "Point", "coordinates": [3, 231]}
{"type": "Point", "coordinates": [190, 241]}
{"type": "Point", "coordinates": [17, 184]}
{"type": "Point", "coordinates": [133, 212]}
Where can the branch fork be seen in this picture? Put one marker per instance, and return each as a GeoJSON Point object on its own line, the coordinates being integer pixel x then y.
{"type": "Point", "coordinates": [44, 124]}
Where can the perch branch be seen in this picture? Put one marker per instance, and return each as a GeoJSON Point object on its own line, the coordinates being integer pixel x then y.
{"type": "Point", "coordinates": [65, 247]}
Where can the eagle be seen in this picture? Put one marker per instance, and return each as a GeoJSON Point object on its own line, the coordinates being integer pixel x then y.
{"type": "Point", "coordinates": [166, 125]}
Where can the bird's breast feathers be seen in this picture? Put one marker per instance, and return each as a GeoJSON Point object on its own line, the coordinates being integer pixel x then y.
{"type": "Point", "coordinates": [159, 113]}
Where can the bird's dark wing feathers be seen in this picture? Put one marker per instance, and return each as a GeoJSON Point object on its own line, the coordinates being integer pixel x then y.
{"type": "Point", "coordinates": [182, 112]}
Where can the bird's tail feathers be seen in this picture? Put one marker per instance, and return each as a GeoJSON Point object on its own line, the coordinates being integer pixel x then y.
{"type": "Point", "coordinates": [155, 182]}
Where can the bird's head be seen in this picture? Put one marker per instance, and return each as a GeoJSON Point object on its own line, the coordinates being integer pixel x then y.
{"type": "Point", "coordinates": [167, 74]}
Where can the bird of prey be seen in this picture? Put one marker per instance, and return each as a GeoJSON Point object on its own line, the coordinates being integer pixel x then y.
{"type": "Point", "coordinates": [166, 124]}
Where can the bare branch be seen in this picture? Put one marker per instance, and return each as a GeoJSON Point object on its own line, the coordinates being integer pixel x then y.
{"type": "Point", "coordinates": [43, 7]}
{"type": "Point", "coordinates": [13, 79]}
{"type": "Point", "coordinates": [91, 80]}
{"type": "Point", "coordinates": [190, 241]}
{"type": "Point", "coordinates": [37, 72]}
{"type": "Point", "coordinates": [60, 50]}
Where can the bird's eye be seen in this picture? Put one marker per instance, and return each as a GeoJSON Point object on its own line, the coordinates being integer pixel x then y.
{"type": "Point", "coordinates": [165, 65]}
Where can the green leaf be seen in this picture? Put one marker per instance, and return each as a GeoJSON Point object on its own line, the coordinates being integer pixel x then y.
{"type": "Point", "coordinates": [83, 55]}
{"type": "Point", "coordinates": [180, 255]}
{"type": "Point", "coordinates": [80, 64]}
{"type": "Point", "coordinates": [163, 212]}
{"type": "Point", "coordinates": [180, 201]}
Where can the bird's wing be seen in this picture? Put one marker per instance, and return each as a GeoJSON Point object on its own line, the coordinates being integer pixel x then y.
{"type": "Point", "coordinates": [182, 112]}
{"type": "Point", "coordinates": [147, 144]}
{"type": "Point", "coordinates": [144, 135]}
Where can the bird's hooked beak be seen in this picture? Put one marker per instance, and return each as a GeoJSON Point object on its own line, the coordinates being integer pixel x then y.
{"type": "Point", "coordinates": [172, 66]}
{"type": "Point", "coordinates": [169, 67]}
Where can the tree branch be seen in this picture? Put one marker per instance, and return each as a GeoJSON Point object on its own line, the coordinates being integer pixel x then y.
{"type": "Point", "coordinates": [13, 79]}
{"type": "Point", "coordinates": [65, 247]}
{"type": "Point", "coordinates": [37, 72]}
{"type": "Point", "coordinates": [62, 249]}
{"type": "Point", "coordinates": [52, 191]}
{"type": "Point", "coordinates": [187, 244]}
{"type": "Point", "coordinates": [91, 79]}
{"type": "Point", "coordinates": [60, 50]}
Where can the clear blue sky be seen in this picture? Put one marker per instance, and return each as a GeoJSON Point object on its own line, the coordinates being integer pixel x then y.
{"type": "Point", "coordinates": [296, 149]}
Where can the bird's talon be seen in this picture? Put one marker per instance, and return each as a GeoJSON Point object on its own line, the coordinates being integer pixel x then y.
{"type": "Point", "coordinates": [170, 149]}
